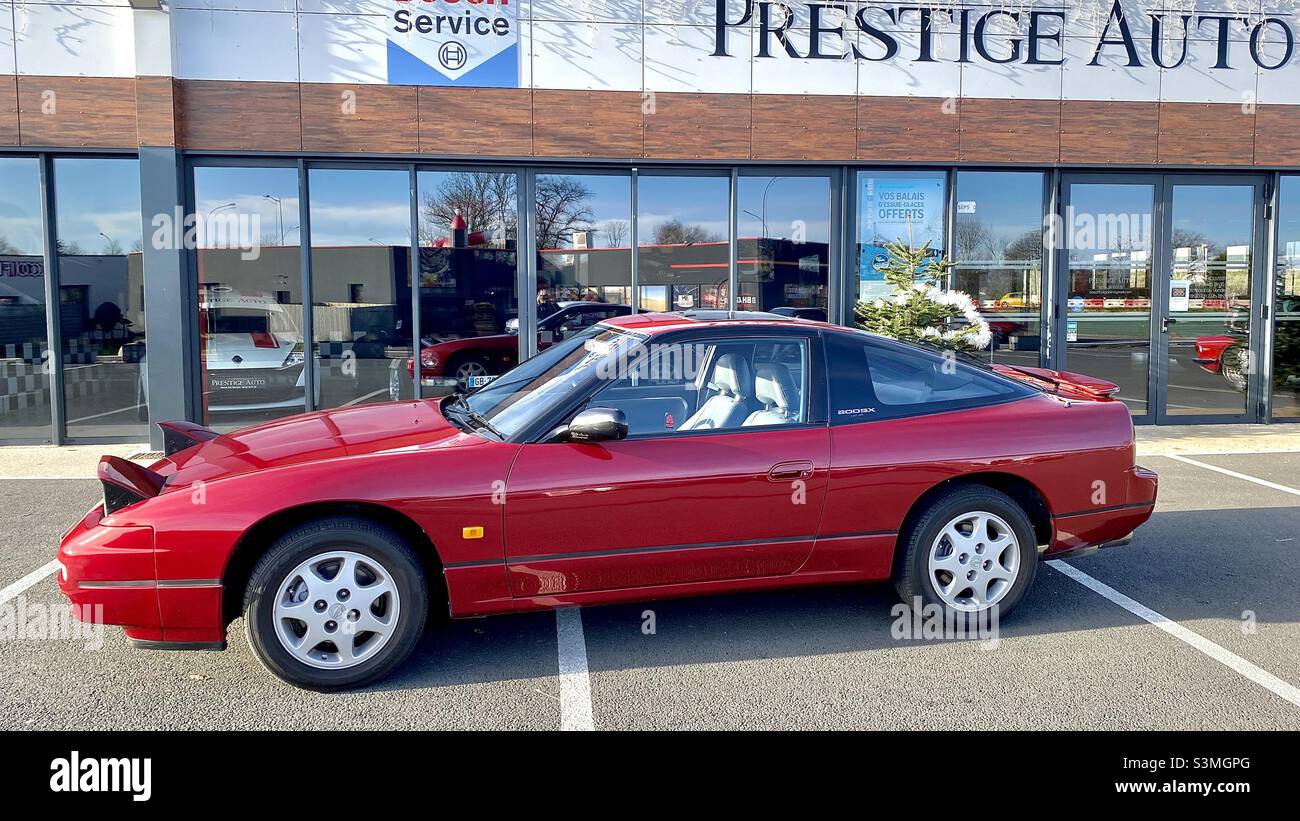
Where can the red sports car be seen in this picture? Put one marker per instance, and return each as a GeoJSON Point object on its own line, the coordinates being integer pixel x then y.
{"type": "Point", "coordinates": [647, 456]}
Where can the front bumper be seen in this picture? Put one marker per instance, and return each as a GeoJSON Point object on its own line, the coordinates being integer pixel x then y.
{"type": "Point", "coordinates": [111, 568]}
{"type": "Point", "coordinates": [111, 572]}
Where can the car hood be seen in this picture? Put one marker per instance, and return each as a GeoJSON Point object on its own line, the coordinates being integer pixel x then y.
{"type": "Point", "coordinates": [311, 437]}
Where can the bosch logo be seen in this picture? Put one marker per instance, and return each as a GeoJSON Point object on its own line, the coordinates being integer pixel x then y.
{"type": "Point", "coordinates": [452, 55]}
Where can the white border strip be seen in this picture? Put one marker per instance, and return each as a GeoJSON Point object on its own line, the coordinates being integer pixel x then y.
{"type": "Point", "coordinates": [13, 590]}
{"type": "Point", "coordinates": [1222, 655]}
{"type": "Point", "coordinates": [1234, 474]}
{"type": "Point", "coordinates": [575, 685]}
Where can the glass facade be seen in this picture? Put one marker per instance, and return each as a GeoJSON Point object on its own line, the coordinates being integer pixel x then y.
{"type": "Point", "coordinates": [1284, 386]}
{"type": "Point", "coordinates": [101, 297]}
{"type": "Point", "coordinates": [1158, 284]}
{"type": "Point", "coordinates": [361, 284]}
{"type": "Point", "coordinates": [250, 302]}
{"type": "Point", "coordinates": [896, 206]}
{"type": "Point", "coordinates": [783, 242]}
{"type": "Point", "coordinates": [1110, 243]}
{"type": "Point", "coordinates": [468, 291]}
{"type": "Point", "coordinates": [998, 250]}
{"type": "Point", "coordinates": [683, 251]}
{"type": "Point", "coordinates": [24, 344]}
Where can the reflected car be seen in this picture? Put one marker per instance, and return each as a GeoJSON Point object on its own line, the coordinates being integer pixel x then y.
{"type": "Point", "coordinates": [1229, 354]}
{"type": "Point", "coordinates": [252, 360]}
{"type": "Point", "coordinates": [474, 361]}
{"type": "Point", "coordinates": [647, 456]}
{"type": "Point", "coordinates": [1011, 301]}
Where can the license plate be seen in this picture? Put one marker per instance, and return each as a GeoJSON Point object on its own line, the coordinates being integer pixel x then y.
{"type": "Point", "coordinates": [478, 381]}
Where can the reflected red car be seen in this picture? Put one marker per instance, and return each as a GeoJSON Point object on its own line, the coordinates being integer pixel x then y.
{"type": "Point", "coordinates": [645, 457]}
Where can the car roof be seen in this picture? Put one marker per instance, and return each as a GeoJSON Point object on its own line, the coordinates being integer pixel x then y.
{"type": "Point", "coordinates": [659, 322]}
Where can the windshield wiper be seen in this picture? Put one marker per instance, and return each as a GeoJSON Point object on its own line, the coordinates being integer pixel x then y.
{"type": "Point", "coordinates": [458, 402]}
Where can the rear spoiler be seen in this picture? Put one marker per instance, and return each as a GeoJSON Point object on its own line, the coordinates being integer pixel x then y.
{"type": "Point", "coordinates": [1076, 382]}
{"type": "Point", "coordinates": [178, 436]}
{"type": "Point", "coordinates": [126, 483]}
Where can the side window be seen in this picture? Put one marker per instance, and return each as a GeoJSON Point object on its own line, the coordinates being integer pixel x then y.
{"type": "Point", "coordinates": [876, 379]}
{"type": "Point", "coordinates": [719, 384]}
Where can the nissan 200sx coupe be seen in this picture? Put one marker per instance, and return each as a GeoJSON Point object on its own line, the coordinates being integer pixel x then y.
{"type": "Point", "coordinates": [647, 456]}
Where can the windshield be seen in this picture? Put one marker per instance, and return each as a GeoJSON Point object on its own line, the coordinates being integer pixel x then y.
{"type": "Point", "coordinates": [519, 397]}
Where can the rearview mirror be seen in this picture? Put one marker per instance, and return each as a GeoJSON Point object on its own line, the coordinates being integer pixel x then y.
{"type": "Point", "coordinates": [598, 425]}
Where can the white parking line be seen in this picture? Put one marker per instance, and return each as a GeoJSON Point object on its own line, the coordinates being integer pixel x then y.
{"type": "Point", "coordinates": [1220, 654]}
{"type": "Point", "coordinates": [13, 590]}
{"type": "Point", "coordinates": [1234, 474]}
{"type": "Point", "coordinates": [575, 686]}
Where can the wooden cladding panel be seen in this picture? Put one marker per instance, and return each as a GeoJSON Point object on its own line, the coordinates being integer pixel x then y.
{"type": "Point", "coordinates": [360, 118]}
{"type": "Point", "coordinates": [239, 116]}
{"type": "Point", "coordinates": [1011, 131]}
{"type": "Point", "coordinates": [903, 129]}
{"type": "Point", "coordinates": [475, 122]}
{"type": "Point", "coordinates": [155, 111]}
{"type": "Point", "coordinates": [77, 112]}
{"type": "Point", "coordinates": [1277, 138]}
{"type": "Point", "coordinates": [804, 127]}
{"type": "Point", "coordinates": [696, 126]}
{"type": "Point", "coordinates": [587, 123]}
{"type": "Point", "coordinates": [8, 109]}
{"type": "Point", "coordinates": [1206, 134]}
{"type": "Point", "coordinates": [1109, 132]}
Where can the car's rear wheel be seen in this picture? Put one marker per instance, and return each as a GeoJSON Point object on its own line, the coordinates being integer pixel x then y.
{"type": "Point", "coordinates": [336, 603]}
{"type": "Point", "coordinates": [969, 551]}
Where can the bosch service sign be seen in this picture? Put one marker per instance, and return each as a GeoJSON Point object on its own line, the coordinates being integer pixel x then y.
{"type": "Point", "coordinates": [454, 43]}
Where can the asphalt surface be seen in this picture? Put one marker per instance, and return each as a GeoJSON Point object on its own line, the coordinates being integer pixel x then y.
{"type": "Point", "coordinates": [1221, 558]}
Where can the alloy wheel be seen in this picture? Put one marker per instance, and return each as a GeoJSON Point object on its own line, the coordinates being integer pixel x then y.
{"type": "Point", "coordinates": [974, 561]}
{"type": "Point", "coordinates": [336, 610]}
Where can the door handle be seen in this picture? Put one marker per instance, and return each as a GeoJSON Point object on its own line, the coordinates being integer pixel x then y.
{"type": "Point", "coordinates": [1165, 322]}
{"type": "Point", "coordinates": [790, 471]}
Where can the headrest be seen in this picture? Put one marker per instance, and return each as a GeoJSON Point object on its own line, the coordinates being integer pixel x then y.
{"type": "Point", "coordinates": [774, 387]}
{"type": "Point", "coordinates": [731, 375]}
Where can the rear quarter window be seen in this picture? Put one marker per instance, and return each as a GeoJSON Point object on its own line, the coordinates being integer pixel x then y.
{"type": "Point", "coordinates": [877, 379]}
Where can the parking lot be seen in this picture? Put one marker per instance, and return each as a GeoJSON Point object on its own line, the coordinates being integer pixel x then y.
{"type": "Point", "coordinates": [1220, 560]}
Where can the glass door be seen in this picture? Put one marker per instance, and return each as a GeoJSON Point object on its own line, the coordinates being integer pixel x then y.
{"type": "Point", "coordinates": [1209, 350]}
{"type": "Point", "coordinates": [1103, 309]}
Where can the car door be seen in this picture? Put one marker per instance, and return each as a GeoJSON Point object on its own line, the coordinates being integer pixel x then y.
{"type": "Point", "coordinates": [673, 504]}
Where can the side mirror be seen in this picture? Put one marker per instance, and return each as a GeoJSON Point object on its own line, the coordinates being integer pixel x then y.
{"type": "Point", "coordinates": [598, 425]}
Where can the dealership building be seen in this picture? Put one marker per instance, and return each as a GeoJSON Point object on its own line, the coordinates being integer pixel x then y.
{"type": "Point", "coordinates": [233, 210]}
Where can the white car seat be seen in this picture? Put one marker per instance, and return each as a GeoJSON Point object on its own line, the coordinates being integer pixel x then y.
{"type": "Point", "coordinates": [774, 387]}
{"type": "Point", "coordinates": [730, 405]}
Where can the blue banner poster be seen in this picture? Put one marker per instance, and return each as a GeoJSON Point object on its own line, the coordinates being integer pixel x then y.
{"type": "Point", "coordinates": [904, 209]}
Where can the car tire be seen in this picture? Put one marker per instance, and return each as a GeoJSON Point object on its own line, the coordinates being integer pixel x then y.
{"type": "Point", "coordinates": [1234, 365]}
{"type": "Point", "coordinates": [1009, 534]}
{"type": "Point", "coordinates": [468, 365]}
{"type": "Point", "coordinates": [296, 571]}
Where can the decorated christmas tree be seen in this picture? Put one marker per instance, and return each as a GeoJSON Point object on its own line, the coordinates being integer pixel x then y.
{"type": "Point", "coordinates": [920, 309]}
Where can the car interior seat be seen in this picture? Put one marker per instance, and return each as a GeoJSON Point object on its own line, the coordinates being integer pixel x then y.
{"type": "Point", "coordinates": [776, 390]}
{"type": "Point", "coordinates": [733, 386]}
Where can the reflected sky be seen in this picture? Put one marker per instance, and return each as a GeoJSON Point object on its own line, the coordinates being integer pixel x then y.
{"type": "Point", "coordinates": [20, 206]}
{"type": "Point", "coordinates": [98, 202]}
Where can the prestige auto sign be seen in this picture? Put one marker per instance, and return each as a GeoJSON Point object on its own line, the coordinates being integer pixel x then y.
{"type": "Point", "coordinates": [454, 42]}
{"type": "Point", "coordinates": [1002, 34]}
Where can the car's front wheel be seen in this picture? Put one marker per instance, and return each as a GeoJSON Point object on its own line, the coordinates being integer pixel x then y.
{"type": "Point", "coordinates": [336, 603]}
{"type": "Point", "coordinates": [971, 550]}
